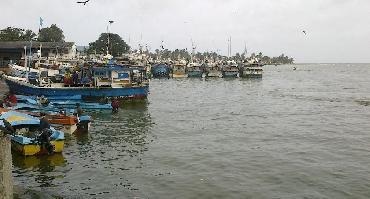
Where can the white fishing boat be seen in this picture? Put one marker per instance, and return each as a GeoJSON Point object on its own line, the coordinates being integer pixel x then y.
{"type": "Point", "coordinates": [251, 69]}
{"type": "Point", "coordinates": [179, 69]}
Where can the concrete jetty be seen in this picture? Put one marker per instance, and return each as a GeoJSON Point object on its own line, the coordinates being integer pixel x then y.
{"type": "Point", "coordinates": [6, 182]}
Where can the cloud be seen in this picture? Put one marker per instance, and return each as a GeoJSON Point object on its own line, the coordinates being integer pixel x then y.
{"type": "Point", "coordinates": [337, 29]}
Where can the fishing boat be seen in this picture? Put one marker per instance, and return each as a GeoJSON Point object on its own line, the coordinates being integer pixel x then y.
{"type": "Point", "coordinates": [64, 123]}
{"type": "Point", "coordinates": [161, 70]}
{"type": "Point", "coordinates": [31, 103]}
{"type": "Point", "coordinates": [230, 70]}
{"type": "Point", "coordinates": [213, 70]}
{"type": "Point", "coordinates": [110, 81]}
{"type": "Point", "coordinates": [25, 137]}
{"type": "Point", "coordinates": [179, 69]}
{"type": "Point", "coordinates": [252, 69]}
{"type": "Point", "coordinates": [194, 69]}
{"type": "Point", "coordinates": [67, 124]}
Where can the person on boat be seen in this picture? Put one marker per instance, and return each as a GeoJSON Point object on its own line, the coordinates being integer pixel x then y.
{"type": "Point", "coordinates": [43, 101]}
{"type": "Point", "coordinates": [11, 100]}
{"type": "Point", "coordinates": [45, 133]}
{"type": "Point", "coordinates": [67, 78]}
{"type": "Point", "coordinates": [115, 105]}
{"type": "Point", "coordinates": [75, 78]}
{"type": "Point", "coordinates": [79, 110]}
{"type": "Point", "coordinates": [7, 129]}
{"type": "Point", "coordinates": [62, 111]}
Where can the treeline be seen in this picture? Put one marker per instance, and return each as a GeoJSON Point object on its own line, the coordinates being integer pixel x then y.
{"type": "Point", "coordinates": [48, 34]}
{"type": "Point", "coordinates": [185, 54]}
{"type": "Point", "coordinates": [117, 46]}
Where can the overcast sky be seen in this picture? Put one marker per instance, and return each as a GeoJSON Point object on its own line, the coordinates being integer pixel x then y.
{"type": "Point", "coordinates": [337, 30]}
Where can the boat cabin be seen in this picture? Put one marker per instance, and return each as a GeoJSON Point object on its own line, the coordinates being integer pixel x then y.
{"type": "Point", "coordinates": [118, 76]}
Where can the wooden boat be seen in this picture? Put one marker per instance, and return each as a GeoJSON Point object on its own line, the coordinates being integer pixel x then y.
{"type": "Point", "coordinates": [68, 124]}
{"type": "Point", "coordinates": [25, 102]}
{"type": "Point", "coordinates": [29, 146]}
{"type": "Point", "coordinates": [64, 123]}
{"type": "Point", "coordinates": [25, 138]}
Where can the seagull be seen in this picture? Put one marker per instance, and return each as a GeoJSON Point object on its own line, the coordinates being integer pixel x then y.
{"type": "Point", "coordinates": [84, 2]}
{"type": "Point", "coordinates": [304, 32]}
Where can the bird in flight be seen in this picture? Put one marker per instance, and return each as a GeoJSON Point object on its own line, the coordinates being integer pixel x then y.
{"type": "Point", "coordinates": [84, 2]}
{"type": "Point", "coordinates": [304, 32]}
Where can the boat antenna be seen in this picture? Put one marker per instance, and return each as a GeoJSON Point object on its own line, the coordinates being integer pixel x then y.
{"type": "Point", "coordinates": [193, 47]}
{"type": "Point", "coordinates": [108, 44]}
{"type": "Point", "coordinates": [245, 50]}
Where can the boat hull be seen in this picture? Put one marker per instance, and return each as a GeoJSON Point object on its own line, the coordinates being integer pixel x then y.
{"type": "Point", "coordinates": [214, 74]}
{"type": "Point", "coordinates": [29, 89]}
{"type": "Point", "coordinates": [230, 74]}
{"type": "Point", "coordinates": [179, 74]}
{"type": "Point", "coordinates": [252, 76]}
{"type": "Point", "coordinates": [67, 129]}
{"type": "Point", "coordinates": [35, 149]}
{"type": "Point", "coordinates": [195, 74]}
{"type": "Point", "coordinates": [161, 71]}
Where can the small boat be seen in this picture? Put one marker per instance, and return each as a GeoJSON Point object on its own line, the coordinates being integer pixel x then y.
{"type": "Point", "coordinates": [29, 103]}
{"type": "Point", "coordinates": [25, 137]}
{"type": "Point", "coordinates": [161, 71]}
{"type": "Point", "coordinates": [83, 125]}
{"type": "Point", "coordinates": [65, 123]}
{"type": "Point", "coordinates": [230, 70]}
{"type": "Point", "coordinates": [194, 69]}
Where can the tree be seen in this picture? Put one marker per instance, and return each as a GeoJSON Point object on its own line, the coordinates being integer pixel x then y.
{"type": "Point", "coordinates": [51, 34]}
{"type": "Point", "coordinates": [16, 34]}
{"type": "Point", "coordinates": [117, 45]}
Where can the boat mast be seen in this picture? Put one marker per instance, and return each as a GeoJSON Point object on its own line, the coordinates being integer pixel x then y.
{"type": "Point", "coordinates": [108, 44]}
{"type": "Point", "coordinates": [245, 50]}
{"type": "Point", "coordinates": [192, 51]}
{"type": "Point", "coordinates": [25, 57]}
{"type": "Point", "coordinates": [229, 47]}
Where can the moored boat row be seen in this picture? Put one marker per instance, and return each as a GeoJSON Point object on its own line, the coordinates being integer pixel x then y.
{"type": "Point", "coordinates": [226, 69]}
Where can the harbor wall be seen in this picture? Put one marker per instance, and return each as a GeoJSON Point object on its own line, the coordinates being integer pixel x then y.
{"type": "Point", "coordinates": [6, 182]}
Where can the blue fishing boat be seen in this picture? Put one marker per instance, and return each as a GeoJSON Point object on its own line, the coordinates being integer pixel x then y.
{"type": "Point", "coordinates": [100, 82]}
{"type": "Point", "coordinates": [194, 69]}
{"type": "Point", "coordinates": [161, 71]}
{"type": "Point", "coordinates": [230, 70]}
{"type": "Point", "coordinates": [30, 102]}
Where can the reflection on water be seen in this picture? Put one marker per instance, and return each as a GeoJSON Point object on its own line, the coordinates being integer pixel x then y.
{"type": "Point", "coordinates": [98, 160]}
{"type": "Point", "coordinates": [38, 168]}
{"type": "Point", "coordinates": [40, 163]}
